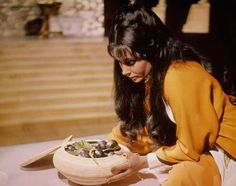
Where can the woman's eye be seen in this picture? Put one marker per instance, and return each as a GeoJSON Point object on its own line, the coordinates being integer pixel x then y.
{"type": "Point", "coordinates": [130, 62]}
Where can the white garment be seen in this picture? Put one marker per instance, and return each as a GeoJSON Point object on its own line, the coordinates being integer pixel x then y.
{"type": "Point", "coordinates": [169, 112]}
{"type": "Point", "coordinates": [159, 169]}
{"type": "Point", "coordinates": [226, 166]}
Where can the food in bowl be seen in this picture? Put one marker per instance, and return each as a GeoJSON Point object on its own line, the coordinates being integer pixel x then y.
{"type": "Point", "coordinates": [89, 162]}
{"type": "Point", "coordinates": [96, 149]}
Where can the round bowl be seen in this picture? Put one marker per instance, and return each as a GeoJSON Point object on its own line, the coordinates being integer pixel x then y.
{"type": "Point", "coordinates": [86, 171]}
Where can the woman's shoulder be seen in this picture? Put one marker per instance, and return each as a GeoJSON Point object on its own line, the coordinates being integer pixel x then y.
{"type": "Point", "coordinates": [186, 78]}
{"type": "Point", "coordinates": [185, 66]}
{"type": "Point", "coordinates": [186, 69]}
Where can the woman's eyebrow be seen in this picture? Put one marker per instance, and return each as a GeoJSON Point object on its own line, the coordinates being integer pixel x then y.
{"type": "Point", "coordinates": [129, 59]}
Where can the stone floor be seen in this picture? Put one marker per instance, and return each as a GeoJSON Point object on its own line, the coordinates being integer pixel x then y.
{"type": "Point", "coordinates": [51, 88]}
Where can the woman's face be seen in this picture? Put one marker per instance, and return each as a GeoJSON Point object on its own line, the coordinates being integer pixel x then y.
{"type": "Point", "coordinates": [136, 70]}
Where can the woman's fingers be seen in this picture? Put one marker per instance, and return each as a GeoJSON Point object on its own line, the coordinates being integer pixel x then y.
{"type": "Point", "coordinates": [123, 166]}
{"type": "Point", "coordinates": [133, 164]}
{"type": "Point", "coordinates": [119, 176]}
{"type": "Point", "coordinates": [120, 168]}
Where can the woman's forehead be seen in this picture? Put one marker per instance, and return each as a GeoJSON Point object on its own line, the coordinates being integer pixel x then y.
{"type": "Point", "coordinates": [122, 54]}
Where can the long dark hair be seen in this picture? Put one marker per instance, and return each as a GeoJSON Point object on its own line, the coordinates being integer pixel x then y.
{"type": "Point", "coordinates": [140, 31]}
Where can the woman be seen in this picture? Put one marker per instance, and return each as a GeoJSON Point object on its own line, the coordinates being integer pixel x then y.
{"type": "Point", "coordinates": [174, 116]}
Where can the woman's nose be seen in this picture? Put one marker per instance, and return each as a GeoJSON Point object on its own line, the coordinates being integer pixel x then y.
{"type": "Point", "coordinates": [125, 71]}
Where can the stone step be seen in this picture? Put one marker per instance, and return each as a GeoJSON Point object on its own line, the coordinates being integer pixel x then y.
{"type": "Point", "coordinates": [43, 105]}
{"type": "Point", "coordinates": [37, 92]}
{"type": "Point", "coordinates": [71, 69]}
{"type": "Point", "coordinates": [50, 114]}
{"type": "Point", "coordinates": [48, 86]}
{"type": "Point", "coordinates": [49, 75]}
{"type": "Point", "coordinates": [56, 95]}
{"type": "Point", "coordinates": [38, 62]}
{"type": "Point", "coordinates": [56, 129]}
{"type": "Point", "coordinates": [59, 80]}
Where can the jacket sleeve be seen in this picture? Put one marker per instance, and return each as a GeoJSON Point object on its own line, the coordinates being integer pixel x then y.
{"type": "Point", "coordinates": [143, 145]}
{"type": "Point", "coordinates": [194, 97]}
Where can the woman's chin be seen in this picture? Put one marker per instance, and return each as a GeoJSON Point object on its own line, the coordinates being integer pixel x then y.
{"type": "Point", "coordinates": [137, 80]}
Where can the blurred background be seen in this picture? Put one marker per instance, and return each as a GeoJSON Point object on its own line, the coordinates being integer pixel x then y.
{"type": "Point", "coordinates": [56, 75]}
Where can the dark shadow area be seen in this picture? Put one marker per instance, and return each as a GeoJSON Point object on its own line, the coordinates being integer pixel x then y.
{"type": "Point", "coordinates": [219, 45]}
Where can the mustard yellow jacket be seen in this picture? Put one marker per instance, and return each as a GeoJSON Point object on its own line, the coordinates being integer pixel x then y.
{"type": "Point", "coordinates": [203, 113]}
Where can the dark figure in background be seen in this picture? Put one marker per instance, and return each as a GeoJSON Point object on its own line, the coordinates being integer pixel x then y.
{"type": "Point", "coordinates": [176, 15]}
{"type": "Point", "coordinates": [222, 46]}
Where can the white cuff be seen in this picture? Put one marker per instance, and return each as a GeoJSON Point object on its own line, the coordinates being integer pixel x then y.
{"type": "Point", "coordinates": [153, 161]}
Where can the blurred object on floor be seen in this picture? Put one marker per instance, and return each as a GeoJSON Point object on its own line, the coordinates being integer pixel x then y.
{"type": "Point", "coordinates": [33, 27]}
{"type": "Point", "coordinates": [48, 9]}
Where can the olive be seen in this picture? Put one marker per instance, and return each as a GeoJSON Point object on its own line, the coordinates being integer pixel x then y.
{"type": "Point", "coordinates": [111, 144]}
{"type": "Point", "coordinates": [98, 154]}
{"type": "Point", "coordinates": [102, 144]}
{"type": "Point", "coordinates": [84, 153]}
{"type": "Point", "coordinates": [70, 148]}
{"type": "Point", "coordinates": [98, 147]}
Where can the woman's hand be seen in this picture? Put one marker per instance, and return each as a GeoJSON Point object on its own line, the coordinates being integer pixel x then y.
{"type": "Point", "coordinates": [134, 164]}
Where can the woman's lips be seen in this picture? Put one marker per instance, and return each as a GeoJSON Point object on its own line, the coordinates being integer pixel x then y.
{"type": "Point", "coordinates": [133, 78]}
